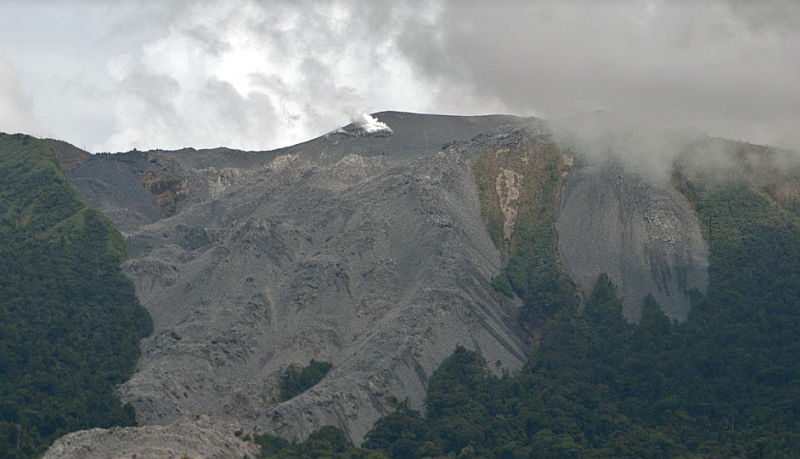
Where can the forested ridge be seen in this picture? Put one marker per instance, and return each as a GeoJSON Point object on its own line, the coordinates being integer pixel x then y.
{"type": "Point", "coordinates": [70, 323]}
{"type": "Point", "coordinates": [724, 383]}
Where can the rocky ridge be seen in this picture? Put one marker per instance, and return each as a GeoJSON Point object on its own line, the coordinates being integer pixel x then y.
{"type": "Point", "coordinates": [363, 249]}
{"type": "Point", "coordinates": [367, 250]}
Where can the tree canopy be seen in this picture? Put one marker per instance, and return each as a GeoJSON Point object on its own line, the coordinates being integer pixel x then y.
{"type": "Point", "coordinates": [70, 323]}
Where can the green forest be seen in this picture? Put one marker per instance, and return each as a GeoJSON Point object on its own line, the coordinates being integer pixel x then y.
{"type": "Point", "coordinates": [70, 323]}
{"type": "Point", "coordinates": [724, 383]}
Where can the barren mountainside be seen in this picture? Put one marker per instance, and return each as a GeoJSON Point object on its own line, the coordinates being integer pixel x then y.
{"type": "Point", "coordinates": [379, 252]}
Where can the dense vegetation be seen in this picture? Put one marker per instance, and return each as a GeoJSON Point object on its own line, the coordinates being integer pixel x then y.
{"type": "Point", "coordinates": [531, 266]}
{"type": "Point", "coordinates": [326, 442]}
{"type": "Point", "coordinates": [70, 323]}
{"type": "Point", "coordinates": [725, 383]}
{"type": "Point", "coordinates": [296, 380]}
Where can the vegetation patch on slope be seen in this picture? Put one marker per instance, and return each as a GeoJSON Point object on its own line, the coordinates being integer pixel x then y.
{"type": "Point", "coordinates": [70, 323]}
{"type": "Point", "coordinates": [166, 189]}
{"type": "Point", "coordinates": [518, 186]}
{"type": "Point", "coordinates": [328, 441]}
{"type": "Point", "coordinates": [296, 380]}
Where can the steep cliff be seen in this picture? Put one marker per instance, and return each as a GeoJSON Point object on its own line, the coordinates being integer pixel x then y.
{"type": "Point", "coordinates": [644, 235]}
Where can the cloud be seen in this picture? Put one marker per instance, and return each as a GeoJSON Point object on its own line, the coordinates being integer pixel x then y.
{"type": "Point", "coordinates": [727, 67]}
{"type": "Point", "coordinates": [645, 149]}
{"type": "Point", "coordinates": [254, 74]}
{"type": "Point", "coordinates": [15, 107]}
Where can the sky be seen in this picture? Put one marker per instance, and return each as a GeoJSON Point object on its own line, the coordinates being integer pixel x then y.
{"type": "Point", "coordinates": [254, 74]}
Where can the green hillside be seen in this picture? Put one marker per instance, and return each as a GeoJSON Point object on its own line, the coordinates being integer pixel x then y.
{"type": "Point", "coordinates": [70, 323]}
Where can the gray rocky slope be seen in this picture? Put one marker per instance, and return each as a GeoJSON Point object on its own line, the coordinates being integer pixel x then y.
{"type": "Point", "coordinates": [644, 234]}
{"type": "Point", "coordinates": [363, 249]}
{"type": "Point", "coordinates": [199, 437]}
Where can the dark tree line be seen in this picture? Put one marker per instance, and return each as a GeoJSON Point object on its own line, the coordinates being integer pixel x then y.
{"type": "Point", "coordinates": [70, 323]}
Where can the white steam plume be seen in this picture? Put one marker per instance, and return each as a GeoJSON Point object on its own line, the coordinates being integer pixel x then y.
{"type": "Point", "coordinates": [370, 124]}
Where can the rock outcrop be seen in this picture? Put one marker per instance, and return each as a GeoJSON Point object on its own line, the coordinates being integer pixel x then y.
{"type": "Point", "coordinates": [188, 438]}
{"type": "Point", "coordinates": [643, 234]}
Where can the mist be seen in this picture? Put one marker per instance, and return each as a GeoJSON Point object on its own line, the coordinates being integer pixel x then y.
{"type": "Point", "coordinates": [654, 153]}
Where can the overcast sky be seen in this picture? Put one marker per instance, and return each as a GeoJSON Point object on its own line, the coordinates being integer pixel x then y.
{"type": "Point", "coordinates": [257, 74]}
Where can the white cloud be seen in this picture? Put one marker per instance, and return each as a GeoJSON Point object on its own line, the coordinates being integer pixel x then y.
{"type": "Point", "coordinates": [252, 75]}
{"type": "Point", "coordinates": [113, 75]}
{"type": "Point", "coordinates": [15, 107]}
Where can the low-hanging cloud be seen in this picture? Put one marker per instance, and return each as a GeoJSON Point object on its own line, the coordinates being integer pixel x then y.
{"type": "Point", "coordinates": [726, 67]}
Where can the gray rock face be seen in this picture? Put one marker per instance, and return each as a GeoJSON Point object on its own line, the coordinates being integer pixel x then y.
{"type": "Point", "coordinates": [110, 184]}
{"type": "Point", "coordinates": [644, 235]}
{"type": "Point", "coordinates": [365, 250]}
{"type": "Point", "coordinates": [196, 438]}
